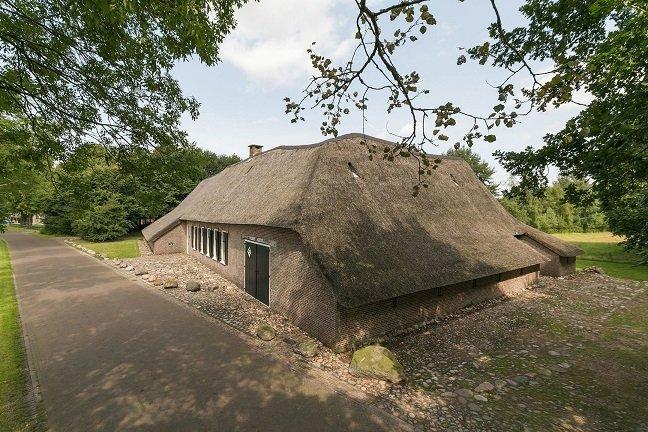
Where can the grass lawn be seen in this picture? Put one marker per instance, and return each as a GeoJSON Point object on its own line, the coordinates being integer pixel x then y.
{"type": "Point", "coordinates": [14, 412]}
{"type": "Point", "coordinates": [602, 249]}
{"type": "Point", "coordinates": [125, 247]}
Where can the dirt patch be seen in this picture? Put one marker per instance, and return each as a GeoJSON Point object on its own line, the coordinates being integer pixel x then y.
{"type": "Point", "coordinates": [568, 354]}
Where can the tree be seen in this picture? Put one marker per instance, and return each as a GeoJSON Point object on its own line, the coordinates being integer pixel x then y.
{"type": "Point", "coordinates": [99, 70]}
{"type": "Point", "coordinates": [551, 210]}
{"type": "Point", "coordinates": [23, 183]}
{"type": "Point", "coordinates": [597, 47]}
{"type": "Point", "coordinates": [100, 198]}
{"type": "Point", "coordinates": [481, 168]}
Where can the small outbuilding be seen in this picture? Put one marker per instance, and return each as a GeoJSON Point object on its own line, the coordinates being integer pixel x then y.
{"type": "Point", "coordinates": [338, 244]}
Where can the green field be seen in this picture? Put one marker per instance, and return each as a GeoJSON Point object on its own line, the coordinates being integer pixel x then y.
{"type": "Point", "coordinates": [602, 249]}
{"type": "Point", "coordinates": [125, 247]}
{"type": "Point", "coordinates": [14, 412]}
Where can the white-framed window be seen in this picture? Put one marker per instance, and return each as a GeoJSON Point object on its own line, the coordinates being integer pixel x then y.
{"type": "Point", "coordinates": [224, 244]}
{"type": "Point", "coordinates": [193, 237]}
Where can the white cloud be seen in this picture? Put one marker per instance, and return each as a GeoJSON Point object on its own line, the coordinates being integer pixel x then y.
{"type": "Point", "coordinates": [270, 41]}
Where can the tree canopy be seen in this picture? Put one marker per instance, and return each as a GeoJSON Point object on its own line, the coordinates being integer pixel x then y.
{"type": "Point", "coordinates": [98, 70]}
{"type": "Point", "coordinates": [551, 211]}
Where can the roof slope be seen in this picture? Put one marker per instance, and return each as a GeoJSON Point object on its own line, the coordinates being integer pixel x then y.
{"type": "Point", "coordinates": [372, 239]}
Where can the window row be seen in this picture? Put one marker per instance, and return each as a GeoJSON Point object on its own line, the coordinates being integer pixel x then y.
{"type": "Point", "coordinates": [210, 242]}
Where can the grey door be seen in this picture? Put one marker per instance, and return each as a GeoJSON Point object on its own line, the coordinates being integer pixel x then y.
{"type": "Point", "coordinates": [257, 271]}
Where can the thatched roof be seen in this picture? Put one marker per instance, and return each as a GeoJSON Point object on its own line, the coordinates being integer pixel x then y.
{"type": "Point", "coordinates": [372, 239]}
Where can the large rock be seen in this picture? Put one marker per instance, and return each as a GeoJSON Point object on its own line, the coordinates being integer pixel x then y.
{"type": "Point", "coordinates": [170, 283]}
{"type": "Point", "coordinates": [484, 387]}
{"type": "Point", "coordinates": [266, 332]}
{"type": "Point", "coordinates": [140, 272]}
{"type": "Point", "coordinates": [375, 361]}
{"type": "Point", "coordinates": [193, 286]}
{"type": "Point", "coordinates": [594, 269]}
{"type": "Point", "coordinates": [307, 349]}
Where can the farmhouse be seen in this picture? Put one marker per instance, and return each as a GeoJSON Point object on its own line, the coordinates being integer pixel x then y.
{"type": "Point", "coordinates": [337, 243]}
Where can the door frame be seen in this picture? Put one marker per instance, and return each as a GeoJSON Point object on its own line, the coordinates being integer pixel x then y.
{"type": "Point", "coordinates": [245, 267]}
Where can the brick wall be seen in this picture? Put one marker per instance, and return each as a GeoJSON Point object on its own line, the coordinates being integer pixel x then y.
{"type": "Point", "coordinates": [298, 290]}
{"type": "Point", "coordinates": [371, 321]}
{"type": "Point", "coordinates": [172, 242]}
{"type": "Point", "coordinates": [556, 264]}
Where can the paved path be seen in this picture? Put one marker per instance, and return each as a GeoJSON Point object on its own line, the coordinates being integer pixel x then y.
{"type": "Point", "coordinates": [111, 355]}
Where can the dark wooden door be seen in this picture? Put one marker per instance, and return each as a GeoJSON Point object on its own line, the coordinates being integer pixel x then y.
{"type": "Point", "coordinates": [263, 274]}
{"type": "Point", "coordinates": [257, 271]}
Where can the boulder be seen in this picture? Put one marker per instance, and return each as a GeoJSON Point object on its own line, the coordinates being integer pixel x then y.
{"type": "Point", "coordinates": [377, 362]}
{"type": "Point", "coordinates": [193, 286]}
{"type": "Point", "coordinates": [140, 272]}
{"type": "Point", "coordinates": [266, 332]}
{"type": "Point", "coordinates": [521, 379]}
{"type": "Point", "coordinates": [130, 268]}
{"type": "Point", "coordinates": [307, 349]}
{"type": "Point", "coordinates": [467, 393]}
{"type": "Point", "coordinates": [484, 387]}
{"type": "Point", "coordinates": [170, 283]}
{"type": "Point", "coordinates": [594, 269]}
{"type": "Point", "coordinates": [157, 282]}
{"type": "Point", "coordinates": [151, 278]}
{"type": "Point", "coordinates": [123, 265]}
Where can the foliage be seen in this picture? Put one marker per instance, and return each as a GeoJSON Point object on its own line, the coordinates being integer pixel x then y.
{"type": "Point", "coordinates": [99, 70]}
{"type": "Point", "coordinates": [481, 168]}
{"type": "Point", "coordinates": [23, 184]}
{"type": "Point", "coordinates": [101, 199]}
{"type": "Point", "coordinates": [106, 219]}
{"type": "Point", "coordinates": [598, 47]}
{"type": "Point", "coordinates": [629, 217]}
{"type": "Point", "coordinates": [551, 212]}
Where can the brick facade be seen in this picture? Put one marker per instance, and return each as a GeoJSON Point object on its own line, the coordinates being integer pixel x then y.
{"type": "Point", "coordinates": [377, 319]}
{"type": "Point", "coordinates": [299, 290]}
{"type": "Point", "coordinates": [173, 241]}
{"type": "Point", "coordinates": [556, 265]}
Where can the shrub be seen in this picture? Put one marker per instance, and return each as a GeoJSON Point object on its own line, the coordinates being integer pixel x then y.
{"type": "Point", "coordinates": [106, 220]}
{"type": "Point", "coordinates": [57, 217]}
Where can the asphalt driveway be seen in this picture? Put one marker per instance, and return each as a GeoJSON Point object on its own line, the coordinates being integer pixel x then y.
{"type": "Point", "coordinates": [110, 355]}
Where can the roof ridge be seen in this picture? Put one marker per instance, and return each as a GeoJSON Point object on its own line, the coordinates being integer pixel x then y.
{"type": "Point", "coordinates": [340, 138]}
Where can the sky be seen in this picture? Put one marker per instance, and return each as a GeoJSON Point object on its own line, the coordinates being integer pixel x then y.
{"type": "Point", "coordinates": [264, 60]}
